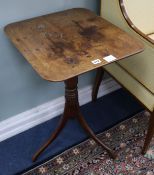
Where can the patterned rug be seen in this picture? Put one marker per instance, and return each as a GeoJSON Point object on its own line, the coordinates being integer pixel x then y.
{"type": "Point", "coordinates": [88, 158]}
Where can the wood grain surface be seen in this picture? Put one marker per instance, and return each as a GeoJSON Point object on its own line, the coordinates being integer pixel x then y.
{"type": "Point", "coordinates": [62, 45]}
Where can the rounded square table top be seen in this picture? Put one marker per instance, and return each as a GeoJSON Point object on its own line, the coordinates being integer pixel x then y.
{"type": "Point", "coordinates": [65, 44]}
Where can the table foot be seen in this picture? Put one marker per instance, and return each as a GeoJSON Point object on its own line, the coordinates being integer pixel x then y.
{"type": "Point", "coordinates": [94, 137]}
{"type": "Point", "coordinates": [71, 109]}
{"type": "Point", "coordinates": [61, 125]}
{"type": "Point", "coordinates": [98, 79]}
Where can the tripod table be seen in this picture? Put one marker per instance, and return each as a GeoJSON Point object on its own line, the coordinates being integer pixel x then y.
{"type": "Point", "coordinates": [63, 45]}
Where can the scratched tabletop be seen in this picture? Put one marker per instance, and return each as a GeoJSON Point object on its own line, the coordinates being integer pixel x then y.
{"type": "Point", "coordinates": [65, 44]}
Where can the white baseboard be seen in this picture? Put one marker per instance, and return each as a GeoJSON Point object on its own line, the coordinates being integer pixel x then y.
{"type": "Point", "coordinates": [28, 119]}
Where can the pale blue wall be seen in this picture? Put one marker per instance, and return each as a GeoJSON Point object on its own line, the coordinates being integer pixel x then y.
{"type": "Point", "coordinates": [20, 87]}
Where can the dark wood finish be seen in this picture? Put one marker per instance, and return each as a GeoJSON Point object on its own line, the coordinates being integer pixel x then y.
{"type": "Point", "coordinates": [98, 79]}
{"type": "Point", "coordinates": [97, 82]}
{"type": "Point", "coordinates": [130, 23]}
{"type": "Point", "coordinates": [72, 109]}
{"type": "Point", "coordinates": [145, 36]}
{"type": "Point", "coordinates": [150, 134]}
{"type": "Point", "coordinates": [62, 45]}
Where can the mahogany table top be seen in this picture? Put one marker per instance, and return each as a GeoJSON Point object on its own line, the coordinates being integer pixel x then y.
{"type": "Point", "coordinates": [65, 44]}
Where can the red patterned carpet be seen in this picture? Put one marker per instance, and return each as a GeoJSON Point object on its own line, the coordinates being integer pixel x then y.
{"type": "Point", "coordinates": [88, 158]}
